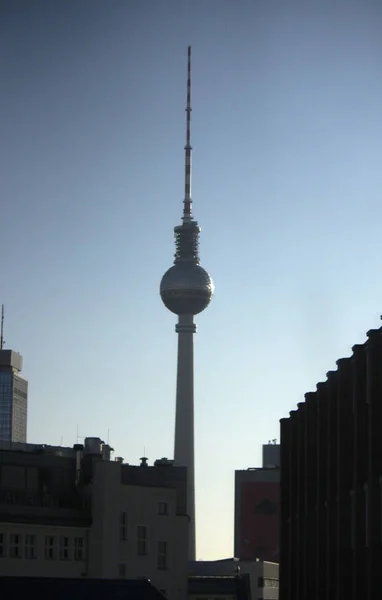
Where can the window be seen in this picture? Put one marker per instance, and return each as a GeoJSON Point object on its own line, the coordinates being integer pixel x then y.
{"type": "Point", "coordinates": [122, 570]}
{"type": "Point", "coordinates": [162, 555]}
{"type": "Point", "coordinates": [267, 582]}
{"type": "Point", "coordinates": [15, 545]}
{"type": "Point", "coordinates": [163, 508]}
{"type": "Point", "coordinates": [50, 547]}
{"type": "Point", "coordinates": [2, 545]}
{"type": "Point", "coordinates": [30, 546]}
{"type": "Point", "coordinates": [353, 520]}
{"type": "Point", "coordinates": [366, 488]}
{"type": "Point", "coordinates": [142, 535]}
{"type": "Point", "coordinates": [79, 553]}
{"type": "Point", "coordinates": [123, 526]}
{"type": "Point", "coordinates": [265, 507]}
{"type": "Point", "coordinates": [64, 548]}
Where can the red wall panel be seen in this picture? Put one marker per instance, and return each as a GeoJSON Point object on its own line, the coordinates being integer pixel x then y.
{"type": "Point", "coordinates": [259, 520]}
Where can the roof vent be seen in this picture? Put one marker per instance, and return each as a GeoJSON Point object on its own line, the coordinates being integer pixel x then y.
{"type": "Point", "coordinates": [163, 462]}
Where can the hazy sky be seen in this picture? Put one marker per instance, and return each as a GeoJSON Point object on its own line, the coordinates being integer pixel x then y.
{"type": "Point", "coordinates": [287, 179]}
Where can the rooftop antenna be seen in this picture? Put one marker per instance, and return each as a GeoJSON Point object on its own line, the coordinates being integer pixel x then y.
{"type": "Point", "coordinates": [187, 210]}
{"type": "Point", "coordinates": [79, 437]}
{"type": "Point", "coordinates": [2, 341]}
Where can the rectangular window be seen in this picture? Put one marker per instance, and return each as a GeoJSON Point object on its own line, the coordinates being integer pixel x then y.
{"type": "Point", "coordinates": [142, 539]}
{"type": "Point", "coordinates": [270, 583]}
{"type": "Point", "coordinates": [2, 545]}
{"type": "Point", "coordinates": [79, 548]}
{"type": "Point", "coordinates": [353, 519]}
{"type": "Point", "coordinates": [123, 526]}
{"type": "Point", "coordinates": [366, 488]}
{"type": "Point", "coordinates": [15, 546]}
{"type": "Point", "coordinates": [50, 547]}
{"type": "Point", "coordinates": [162, 556]}
{"type": "Point", "coordinates": [122, 570]}
{"type": "Point", "coordinates": [30, 546]}
{"type": "Point", "coordinates": [163, 508]}
{"type": "Point", "coordinates": [64, 548]}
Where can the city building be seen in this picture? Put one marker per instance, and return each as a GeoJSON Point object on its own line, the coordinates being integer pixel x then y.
{"type": "Point", "coordinates": [186, 289]}
{"type": "Point", "coordinates": [257, 508]}
{"type": "Point", "coordinates": [78, 589]}
{"type": "Point", "coordinates": [219, 587]}
{"type": "Point", "coordinates": [233, 578]}
{"type": "Point", "coordinates": [74, 513]}
{"type": "Point", "coordinates": [331, 478]}
{"type": "Point", "coordinates": [13, 398]}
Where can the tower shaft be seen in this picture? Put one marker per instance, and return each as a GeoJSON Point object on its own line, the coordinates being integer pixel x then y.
{"type": "Point", "coordinates": [184, 417]}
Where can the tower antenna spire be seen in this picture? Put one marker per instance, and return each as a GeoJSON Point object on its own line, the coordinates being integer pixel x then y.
{"type": "Point", "coordinates": [2, 341]}
{"type": "Point", "coordinates": [187, 210]}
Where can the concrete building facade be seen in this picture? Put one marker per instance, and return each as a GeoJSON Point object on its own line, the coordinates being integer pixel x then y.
{"type": "Point", "coordinates": [257, 509]}
{"type": "Point", "coordinates": [74, 513]}
{"type": "Point", "coordinates": [13, 398]}
{"type": "Point", "coordinates": [331, 478]}
{"type": "Point", "coordinates": [260, 579]}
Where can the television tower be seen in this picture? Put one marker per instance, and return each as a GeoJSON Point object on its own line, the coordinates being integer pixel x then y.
{"type": "Point", "coordinates": [186, 289]}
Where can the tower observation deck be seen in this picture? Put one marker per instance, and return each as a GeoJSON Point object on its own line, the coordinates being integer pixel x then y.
{"type": "Point", "coordinates": [186, 289]}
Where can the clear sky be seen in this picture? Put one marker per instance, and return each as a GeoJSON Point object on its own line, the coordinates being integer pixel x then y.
{"type": "Point", "coordinates": [287, 179]}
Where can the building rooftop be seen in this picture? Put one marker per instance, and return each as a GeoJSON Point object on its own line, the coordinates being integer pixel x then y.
{"type": "Point", "coordinates": [78, 589]}
{"type": "Point", "coordinates": [233, 585]}
{"type": "Point", "coordinates": [54, 483]}
{"type": "Point", "coordinates": [11, 359]}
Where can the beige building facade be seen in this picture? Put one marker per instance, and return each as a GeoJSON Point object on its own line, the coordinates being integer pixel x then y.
{"type": "Point", "coordinates": [76, 513]}
{"type": "Point", "coordinates": [204, 576]}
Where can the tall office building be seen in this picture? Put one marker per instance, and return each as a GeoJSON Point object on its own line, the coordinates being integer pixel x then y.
{"type": "Point", "coordinates": [257, 508]}
{"type": "Point", "coordinates": [13, 398]}
{"type": "Point", "coordinates": [331, 483]}
{"type": "Point", "coordinates": [186, 290]}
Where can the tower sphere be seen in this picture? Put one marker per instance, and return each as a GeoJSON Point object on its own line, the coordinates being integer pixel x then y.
{"type": "Point", "coordinates": [186, 289]}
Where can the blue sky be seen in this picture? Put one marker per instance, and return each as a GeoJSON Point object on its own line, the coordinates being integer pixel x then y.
{"type": "Point", "coordinates": [287, 138]}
